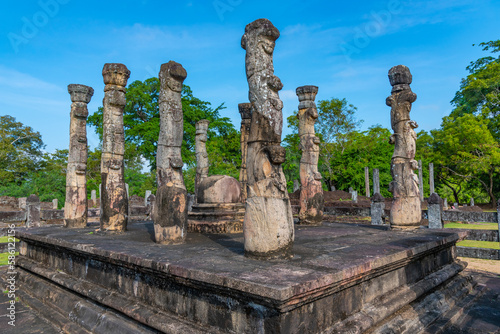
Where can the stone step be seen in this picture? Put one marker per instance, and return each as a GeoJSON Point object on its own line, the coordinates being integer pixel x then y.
{"type": "Point", "coordinates": [216, 216]}
{"type": "Point", "coordinates": [207, 207]}
{"type": "Point", "coordinates": [220, 226]}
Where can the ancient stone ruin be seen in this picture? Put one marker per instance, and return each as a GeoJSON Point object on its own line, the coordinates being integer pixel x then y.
{"type": "Point", "coordinates": [170, 209]}
{"type": "Point", "coordinates": [311, 191]}
{"type": "Point", "coordinates": [75, 206]}
{"type": "Point", "coordinates": [114, 199]}
{"type": "Point", "coordinates": [201, 153]}
{"type": "Point", "coordinates": [268, 227]}
{"type": "Point", "coordinates": [406, 207]}
{"type": "Point", "coordinates": [245, 110]}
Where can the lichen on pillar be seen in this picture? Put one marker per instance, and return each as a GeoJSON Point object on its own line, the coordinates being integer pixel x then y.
{"type": "Point", "coordinates": [76, 206]}
{"type": "Point", "coordinates": [245, 110]}
{"type": "Point", "coordinates": [311, 191]}
{"type": "Point", "coordinates": [406, 206]}
{"type": "Point", "coordinates": [201, 153]}
{"type": "Point", "coordinates": [170, 210]}
{"type": "Point", "coordinates": [114, 199]}
{"type": "Point", "coordinates": [268, 226]}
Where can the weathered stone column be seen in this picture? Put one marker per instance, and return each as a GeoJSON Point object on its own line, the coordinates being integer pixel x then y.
{"type": "Point", "coordinates": [354, 196]}
{"type": "Point", "coordinates": [32, 211]}
{"type": "Point", "coordinates": [420, 181]}
{"type": "Point", "coordinates": [55, 203]}
{"type": "Point", "coordinates": [376, 181]}
{"type": "Point", "coordinates": [146, 195]}
{"type": "Point", "coordinates": [377, 209]}
{"type": "Point", "coordinates": [201, 153]}
{"type": "Point", "coordinates": [472, 201]}
{"type": "Point", "coordinates": [22, 202]}
{"type": "Point", "coordinates": [406, 205]}
{"type": "Point", "coordinates": [311, 191]}
{"type": "Point", "coordinates": [445, 203]}
{"type": "Point", "coordinates": [498, 218]}
{"type": "Point", "coordinates": [431, 178]}
{"type": "Point", "coordinates": [268, 226]}
{"type": "Point", "coordinates": [170, 210]}
{"type": "Point", "coordinates": [75, 206]}
{"type": "Point", "coordinates": [367, 182]}
{"type": "Point", "coordinates": [245, 110]}
{"type": "Point", "coordinates": [114, 199]}
{"type": "Point", "coordinates": [296, 185]}
{"type": "Point", "coordinates": [434, 211]}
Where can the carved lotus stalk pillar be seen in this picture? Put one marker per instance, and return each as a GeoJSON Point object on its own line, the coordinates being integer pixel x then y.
{"type": "Point", "coordinates": [170, 212]}
{"type": "Point", "coordinates": [114, 199]}
{"type": "Point", "coordinates": [201, 153]}
{"type": "Point", "coordinates": [311, 191]}
{"type": "Point", "coordinates": [268, 226]}
{"type": "Point", "coordinates": [75, 207]}
{"type": "Point", "coordinates": [405, 211]}
{"type": "Point", "coordinates": [246, 117]}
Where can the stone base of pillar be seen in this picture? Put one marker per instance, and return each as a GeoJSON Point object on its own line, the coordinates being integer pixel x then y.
{"type": "Point", "coordinates": [170, 215]}
{"type": "Point", "coordinates": [406, 213]}
{"type": "Point", "coordinates": [216, 218]}
{"type": "Point", "coordinates": [80, 222]}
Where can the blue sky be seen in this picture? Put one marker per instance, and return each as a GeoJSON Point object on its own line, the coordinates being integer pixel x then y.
{"type": "Point", "coordinates": [345, 48]}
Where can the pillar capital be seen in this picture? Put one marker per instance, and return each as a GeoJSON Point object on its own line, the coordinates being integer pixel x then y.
{"type": "Point", "coordinates": [80, 93]}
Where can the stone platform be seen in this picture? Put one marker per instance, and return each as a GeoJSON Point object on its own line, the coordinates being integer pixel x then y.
{"type": "Point", "coordinates": [342, 278]}
{"type": "Point", "coordinates": [216, 218]}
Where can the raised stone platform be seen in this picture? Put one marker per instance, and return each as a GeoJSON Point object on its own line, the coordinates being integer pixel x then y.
{"type": "Point", "coordinates": [341, 278]}
{"type": "Point", "coordinates": [216, 218]}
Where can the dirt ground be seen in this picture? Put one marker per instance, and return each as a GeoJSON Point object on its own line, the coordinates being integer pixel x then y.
{"type": "Point", "coordinates": [491, 266]}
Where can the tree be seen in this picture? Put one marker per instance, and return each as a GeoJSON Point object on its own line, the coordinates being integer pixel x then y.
{"type": "Point", "coordinates": [20, 151]}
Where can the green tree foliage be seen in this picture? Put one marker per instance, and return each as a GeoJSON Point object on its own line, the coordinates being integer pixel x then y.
{"type": "Point", "coordinates": [20, 151]}
{"type": "Point", "coordinates": [291, 142]}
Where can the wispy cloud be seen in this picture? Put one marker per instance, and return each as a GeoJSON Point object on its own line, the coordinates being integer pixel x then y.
{"type": "Point", "coordinates": [10, 78]}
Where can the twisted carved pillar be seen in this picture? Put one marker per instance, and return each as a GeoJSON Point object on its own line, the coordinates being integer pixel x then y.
{"type": "Point", "coordinates": [114, 199]}
{"type": "Point", "coordinates": [311, 191]}
{"type": "Point", "coordinates": [201, 153]}
{"type": "Point", "coordinates": [405, 211]}
{"type": "Point", "coordinates": [170, 212]}
{"type": "Point", "coordinates": [246, 117]}
{"type": "Point", "coordinates": [268, 226]}
{"type": "Point", "coordinates": [75, 207]}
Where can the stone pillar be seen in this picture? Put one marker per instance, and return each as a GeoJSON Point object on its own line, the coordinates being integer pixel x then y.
{"type": "Point", "coordinates": [76, 206]}
{"type": "Point", "coordinates": [367, 182]}
{"type": "Point", "coordinates": [151, 200]}
{"type": "Point", "coordinates": [201, 154]}
{"type": "Point", "coordinates": [268, 225]}
{"type": "Point", "coordinates": [350, 190]}
{"type": "Point", "coordinates": [296, 185]}
{"type": "Point", "coordinates": [455, 205]}
{"type": "Point", "coordinates": [190, 202]}
{"type": "Point", "coordinates": [406, 206]}
{"type": "Point", "coordinates": [22, 202]}
{"type": "Point", "coordinates": [246, 117]}
{"type": "Point", "coordinates": [431, 178]}
{"type": "Point", "coordinates": [114, 199]}
{"type": "Point", "coordinates": [55, 203]}
{"type": "Point", "coordinates": [311, 191]}
{"type": "Point", "coordinates": [472, 201]}
{"type": "Point", "coordinates": [434, 211]}
{"type": "Point", "coordinates": [376, 181]}
{"type": "Point", "coordinates": [32, 211]}
{"type": "Point", "coordinates": [146, 195]}
{"type": "Point", "coordinates": [170, 213]}
{"type": "Point", "coordinates": [498, 218]}
{"type": "Point", "coordinates": [445, 203]}
{"type": "Point", "coordinates": [420, 181]}
{"type": "Point", "coordinates": [354, 196]}
{"type": "Point", "coordinates": [93, 196]}
{"type": "Point", "coordinates": [377, 209]}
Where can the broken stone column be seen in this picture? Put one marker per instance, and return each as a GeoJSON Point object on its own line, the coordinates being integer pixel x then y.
{"type": "Point", "coordinates": [32, 211]}
{"type": "Point", "coordinates": [246, 117]}
{"type": "Point", "coordinates": [406, 206]}
{"type": "Point", "coordinates": [22, 202]}
{"type": "Point", "coordinates": [350, 190]}
{"type": "Point", "coordinates": [367, 182]}
{"type": "Point", "coordinates": [201, 153]}
{"type": "Point", "coordinates": [170, 211]}
{"type": "Point", "coordinates": [434, 211]}
{"type": "Point", "coordinates": [376, 181]}
{"type": "Point", "coordinates": [146, 195]}
{"type": "Point", "coordinates": [311, 190]}
{"type": "Point", "coordinates": [377, 209]}
{"type": "Point", "coordinates": [55, 203]}
{"type": "Point", "coordinates": [114, 199]}
{"type": "Point", "coordinates": [93, 198]}
{"type": "Point", "coordinates": [445, 203]}
{"type": "Point", "coordinates": [498, 218]}
{"type": "Point", "coordinates": [420, 181]}
{"type": "Point", "coordinates": [431, 178]}
{"type": "Point", "coordinates": [76, 206]}
{"type": "Point", "coordinates": [296, 185]}
{"type": "Point", "coordinates": [354, 196]}
{"type": "Point", "coordinates": [268, 225]}
{"type": "Point", "coordinates": [472, 201]}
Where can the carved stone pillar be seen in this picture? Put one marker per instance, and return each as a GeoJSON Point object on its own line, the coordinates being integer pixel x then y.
{"type": "Point", "coordinates": [114, 199]}
{"type": "Point", "coordinates": [311, 191]}
{"type": "Point", "coordinates": [202, 164]}
{"type": "Point", "coordinates": [268, 226]}
{"type": "Point", "coordinates": [75, 206]}
{"type": "Point", "coordinates": [170, 211]}
{"type": "Point", "coordinates": [406, 210]}
{"type": "Point", "coordinates": [246, 117]}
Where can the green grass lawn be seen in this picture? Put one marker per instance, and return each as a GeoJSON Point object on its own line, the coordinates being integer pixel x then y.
{"type": "Point", "coordinates": [4, 258]}
{"type": "Point", "coordinates": [476, 226]}
{"type": "Point", "coordinates": [5, 239]}
{"type": "Point", "coordinates": [479, 244]}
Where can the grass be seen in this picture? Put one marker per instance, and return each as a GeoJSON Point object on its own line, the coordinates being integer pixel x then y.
{"type": "Point", "coordinates": [476, 226]}
{"type": "Point", "coordinates": [479, 244]}
{"type": "Point", "coordinates": [4, 258]}
{"type": "Point", "coordinates": [5, 239]}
